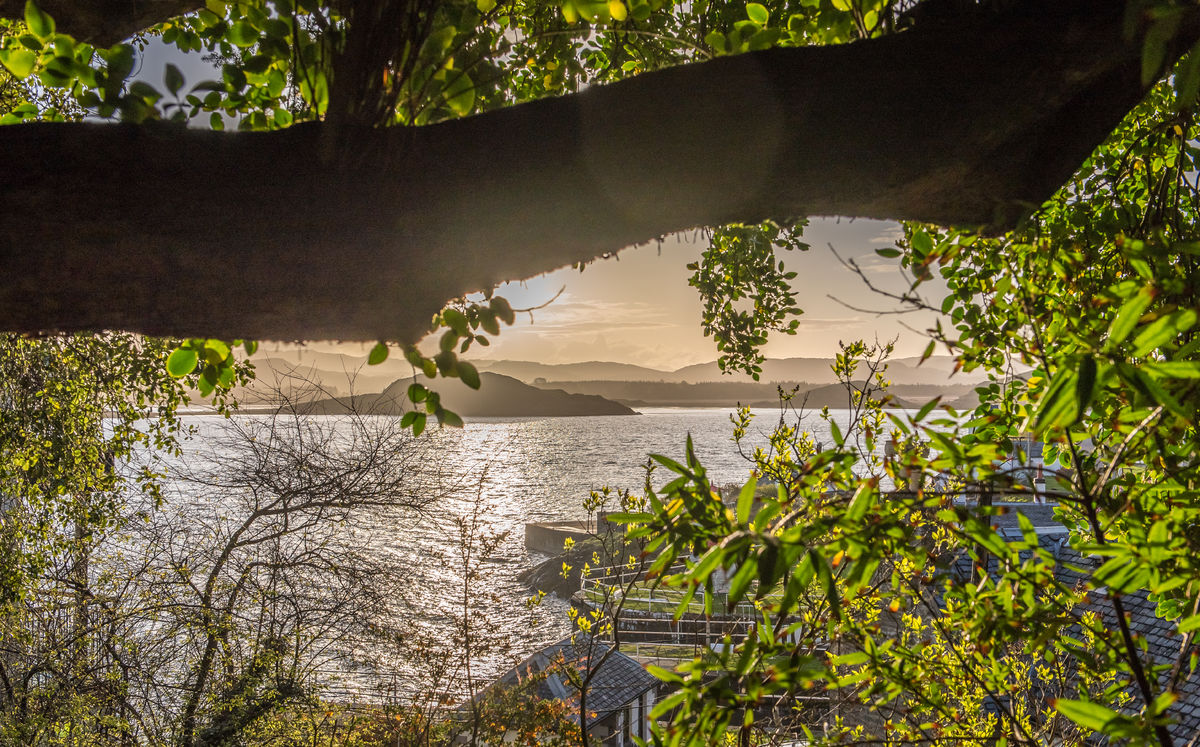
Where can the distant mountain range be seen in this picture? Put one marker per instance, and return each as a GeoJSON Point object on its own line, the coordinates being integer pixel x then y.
{"type": "Point", "coordinates": [817, 371]}
{"type": "Point", "coordinates": [731, 394]}
{"type": "Point", "coordinates": [304, 375]}
{"type": "Point", "coordinates": [340, 372]}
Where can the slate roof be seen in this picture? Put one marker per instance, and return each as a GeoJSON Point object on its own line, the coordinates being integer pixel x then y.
{"type": "Point", "coordinates": [1163, 644]}
{"type": "Point", "coordinates": [1162, 638]}
{"type": "Point", "coordinates": [618, 681]}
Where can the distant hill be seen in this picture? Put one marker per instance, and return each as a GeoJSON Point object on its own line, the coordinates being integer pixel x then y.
{"type": "Point", "coordinates": [832, 396]}
{"type": "Point", "coordinates": [303, 374]}
{"type": "Point", "coordinates": [817, 371]}
{"type": "Point", "coordinates": [935, 370]}
{"type": "Point", "coordinates": [499, 396]}
{"type": "Point", "coordinates": [733, 393]}
{"type": "Point", "coordinates": [813, 370]}
{"type": "Point", "coordinates": [674, 394]}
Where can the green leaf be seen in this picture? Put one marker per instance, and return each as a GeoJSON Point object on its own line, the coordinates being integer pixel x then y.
{"type": "Point", "coordinates": [1156, 42]}
{"type": "Point", "coordinates": [468, 373]}
{"type": "Point", "coordinates": [207, 383]}
{"type": "Point", "coordinates": [418, 425]}
{"type": "Point", "coordinates": [1058, 405]}
{"type": "Point", "coordinates": [173, 79]}
{"type": "Point", "coordinates": [378, 354]}
{"type": "Point", "coordinates": [1187, 79]}
{"type": "Point", "coordinates": [740, 583]}
{"type": "Point", "coordinates": [707, 562]}
{"type": "Point", "coordinates": [825, 574]}
{"type": "Point", "coordinates": [1162, 331]}
{"type": "Point", "coordinates": [257, 64]}
{"type": "Point", "coordinates": [502, 310]}
{"type": "Point", "coordinates": [1127, 318]}
{"type": "Point", "coordinates": [1173, 369]}
{"type": "Point", "coordinates": [417, 393]}
{"type": "Point", "coordinates": [1085, 384]}
{"type": "Point", "coordinates": [182, 362]}
{"type": "Point", "coordinates": [888, 253]}
{"type": "Point", "coordinates": [457, 321]}
{"type": "Point", "coordinates": [242, 34]}
{"type": "Point", "coordinates": [40, 24]}
{"type": "Point", "coordinates": [665, 675]}
{"type": "Point", "coordinates": [864, 498]}
{"type": "Point", "coordinates": [1165, 700]}
{"type": "Point", "coordinates": [215, 351]}
{"type": "Point", "coordinates": [768, 567]}
{"type": "Point", "coordinates": [20, 62]}
{"type": "Point", "coordinates": [930, 347]}
{"type": "Point", "coordinates": [447, 363]}
{"type": "Point", "coordinates": [1152, 389]}
{"type": "Point", "coordinates": [670, 464]}
{"type": "Point", "coordinates": [58, 73]}
{"type": "Point", "coordinates": [1087, 714]}
{"type": "Point", "coordinates": [487, 320]}
{"type": "Point", "coordinates": [746, 500]}
{"type": "Point", "coordinates": [928, 406]}
{"type": "Point", "coordinates": [757, 13]}
{"type": "Point", "coordinates": [460, 94]}
{"type": "Point", "coordinates": [922, 244]}
{"type": "Point", "coordinates": [144, 90]}
{"type": "Point", "coordinates": [120, 59]}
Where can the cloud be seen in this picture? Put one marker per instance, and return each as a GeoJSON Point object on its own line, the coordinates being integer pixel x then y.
{"type": "Point", "coordinates": [873, 264]}
{"type": "Point", "coordinates": [889, 235]}
{"type": "Point", "coordinates": [570, 317]}
{"type": "Point", "coordinates": [818, 322]}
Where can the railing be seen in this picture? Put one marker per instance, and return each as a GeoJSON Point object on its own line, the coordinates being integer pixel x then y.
{"type": "Point", "coordinates": [645, 616]}
{"type": "Point", "coordinates": [616, 587]}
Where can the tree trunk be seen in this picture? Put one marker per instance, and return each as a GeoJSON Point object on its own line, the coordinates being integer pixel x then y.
{"type": "Point", "coordinates": [317, 233]}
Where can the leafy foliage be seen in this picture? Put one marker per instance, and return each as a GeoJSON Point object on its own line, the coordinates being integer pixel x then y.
{"type": "Point", "coordinates": [1086, 321]}
{"type": "Point", "coordinates": [746, 292]}
{"type": "Point", "coordinates": [75, 410]}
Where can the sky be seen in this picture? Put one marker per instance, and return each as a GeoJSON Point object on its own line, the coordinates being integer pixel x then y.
{"type": "Point", "coordinates": [638, 308]}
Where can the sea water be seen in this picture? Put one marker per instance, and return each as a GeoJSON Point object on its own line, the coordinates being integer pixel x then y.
{"type": "Point", "coordinates": [506, 472]}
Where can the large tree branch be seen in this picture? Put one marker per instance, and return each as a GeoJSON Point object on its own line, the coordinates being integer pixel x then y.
{"type": "Point", "coordinates": [315, 233]}
{"type": "Point", "coordinates": [104, 22]}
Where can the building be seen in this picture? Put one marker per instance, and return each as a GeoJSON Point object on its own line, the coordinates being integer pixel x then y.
{"type": "Point", "coordinates": [620, 692]}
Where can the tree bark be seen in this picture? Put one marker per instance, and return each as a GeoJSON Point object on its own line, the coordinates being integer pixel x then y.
{"type": "Point", "coordinates": [104, 22]}
{"type": "Point", "coordinates": [322, 233]}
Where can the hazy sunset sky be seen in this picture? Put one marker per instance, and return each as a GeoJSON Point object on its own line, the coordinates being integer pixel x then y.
{"type": "Point", "coordinates": [638, 307]}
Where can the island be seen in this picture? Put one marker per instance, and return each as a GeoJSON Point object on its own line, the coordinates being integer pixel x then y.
{"type": "Point", "coordinates": [499, 396]}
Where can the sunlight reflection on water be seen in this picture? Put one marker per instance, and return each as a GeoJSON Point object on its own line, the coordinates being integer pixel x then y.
{"type": "Point", "coordinates": [540, 469]}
